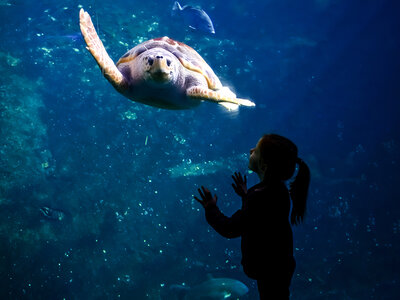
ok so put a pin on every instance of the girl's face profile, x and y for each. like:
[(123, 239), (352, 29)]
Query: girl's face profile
[(254, 161)]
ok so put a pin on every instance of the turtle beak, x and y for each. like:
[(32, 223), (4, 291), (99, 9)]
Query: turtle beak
[(160, 70)]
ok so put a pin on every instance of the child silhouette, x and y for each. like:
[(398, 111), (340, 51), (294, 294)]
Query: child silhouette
[(263, 221)]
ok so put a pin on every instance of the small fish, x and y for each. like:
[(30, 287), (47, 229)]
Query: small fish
[(66, 38), (195, 18), (52, 214), (213, 288)]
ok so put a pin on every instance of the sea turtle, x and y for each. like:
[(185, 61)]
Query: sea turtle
[(160, 72)]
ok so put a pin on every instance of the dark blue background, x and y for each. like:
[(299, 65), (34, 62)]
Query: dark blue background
[(323, 73)]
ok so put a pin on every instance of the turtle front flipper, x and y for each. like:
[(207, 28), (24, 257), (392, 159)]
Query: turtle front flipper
[(224, 97), (96, 48)]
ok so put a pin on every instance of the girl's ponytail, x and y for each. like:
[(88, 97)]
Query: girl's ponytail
[(298, 192)]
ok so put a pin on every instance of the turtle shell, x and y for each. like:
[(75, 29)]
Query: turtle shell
[(187, 56)]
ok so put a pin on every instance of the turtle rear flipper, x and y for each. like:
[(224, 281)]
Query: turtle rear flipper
[(96, 48), (224, 97)]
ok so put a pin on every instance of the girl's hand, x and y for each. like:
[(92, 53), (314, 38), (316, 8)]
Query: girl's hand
[(206, 198), (240, 185)]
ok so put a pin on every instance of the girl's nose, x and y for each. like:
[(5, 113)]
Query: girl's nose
[(251, 151)]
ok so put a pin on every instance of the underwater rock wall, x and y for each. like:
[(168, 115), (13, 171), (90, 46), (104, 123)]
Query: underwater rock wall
[(24, 159)]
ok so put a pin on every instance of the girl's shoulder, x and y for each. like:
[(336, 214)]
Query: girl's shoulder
[(268, 187), (267, 196), (258, 187)]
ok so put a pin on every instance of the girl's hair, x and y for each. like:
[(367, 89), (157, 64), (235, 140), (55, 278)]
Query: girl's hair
[(280, 156)]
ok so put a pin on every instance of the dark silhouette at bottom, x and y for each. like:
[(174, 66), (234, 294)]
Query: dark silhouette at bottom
[(263, 222)]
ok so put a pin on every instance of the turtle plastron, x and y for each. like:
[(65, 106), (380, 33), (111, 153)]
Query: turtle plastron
[(96, 48)]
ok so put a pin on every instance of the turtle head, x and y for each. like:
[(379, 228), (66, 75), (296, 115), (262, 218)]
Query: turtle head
[(160, 67)]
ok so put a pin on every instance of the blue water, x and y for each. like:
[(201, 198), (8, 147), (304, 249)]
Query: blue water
[(324, 73)]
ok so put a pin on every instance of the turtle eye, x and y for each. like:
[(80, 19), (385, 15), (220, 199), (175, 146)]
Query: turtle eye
[(168, 62), (150, 61)]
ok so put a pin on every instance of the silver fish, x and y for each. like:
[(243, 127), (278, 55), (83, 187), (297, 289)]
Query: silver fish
[(52, 214), (213, 288), (195, 18)]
